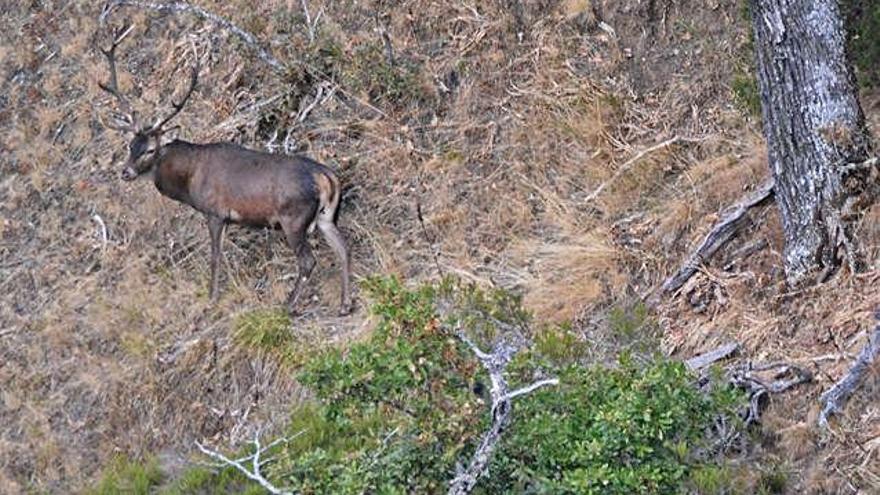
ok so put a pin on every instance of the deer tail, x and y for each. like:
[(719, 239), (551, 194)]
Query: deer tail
[(329, 193)]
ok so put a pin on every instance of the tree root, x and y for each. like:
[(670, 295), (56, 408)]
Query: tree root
[(836, 397), (732, 220)]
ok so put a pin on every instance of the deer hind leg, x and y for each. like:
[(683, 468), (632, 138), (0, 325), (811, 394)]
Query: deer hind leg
[(295, 230), (334, 238), (216, 225)]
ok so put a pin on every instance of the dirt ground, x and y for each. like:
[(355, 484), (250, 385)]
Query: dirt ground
[(479, 154)]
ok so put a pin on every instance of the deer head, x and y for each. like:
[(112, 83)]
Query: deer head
[(139, 148)]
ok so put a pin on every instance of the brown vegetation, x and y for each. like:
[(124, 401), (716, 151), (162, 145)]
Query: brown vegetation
[(494, 125)]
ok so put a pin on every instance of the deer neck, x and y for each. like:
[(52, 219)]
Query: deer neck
[(172, 173)]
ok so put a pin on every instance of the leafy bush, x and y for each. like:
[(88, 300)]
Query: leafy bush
[(629, 429), (398, 411)]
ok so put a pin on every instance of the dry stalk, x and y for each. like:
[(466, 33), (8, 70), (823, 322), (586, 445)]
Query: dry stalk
[(632, 161)]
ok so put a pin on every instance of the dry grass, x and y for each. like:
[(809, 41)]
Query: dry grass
[(504, 130)]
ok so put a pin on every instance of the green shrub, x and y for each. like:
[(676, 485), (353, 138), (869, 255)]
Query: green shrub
[(398, 411), (127, 476), (629, 429)]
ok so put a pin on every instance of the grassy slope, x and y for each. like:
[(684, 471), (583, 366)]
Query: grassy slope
[(496, 122)]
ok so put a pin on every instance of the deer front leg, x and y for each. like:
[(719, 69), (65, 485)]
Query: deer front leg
[(216, 226)]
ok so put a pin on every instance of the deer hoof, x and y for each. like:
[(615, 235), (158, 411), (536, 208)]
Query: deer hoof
[(346, 309)]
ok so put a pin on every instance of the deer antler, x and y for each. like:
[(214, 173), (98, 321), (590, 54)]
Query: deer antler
[(194, 78), (112, 86)]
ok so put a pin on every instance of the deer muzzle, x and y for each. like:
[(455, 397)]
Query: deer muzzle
[(129, 174)]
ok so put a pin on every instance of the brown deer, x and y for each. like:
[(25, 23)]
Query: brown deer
[(232, 184)]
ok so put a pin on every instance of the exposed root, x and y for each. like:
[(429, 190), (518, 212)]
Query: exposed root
[(835, 398), (732, 220)]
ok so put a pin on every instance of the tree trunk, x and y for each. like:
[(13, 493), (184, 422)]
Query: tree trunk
[(814, 126)]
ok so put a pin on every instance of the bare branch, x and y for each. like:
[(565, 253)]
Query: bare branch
[(495, 364), (853, 167), (253, 473), (531, 388), (177, 7), (311, 24), (836, 397), (100, 221)]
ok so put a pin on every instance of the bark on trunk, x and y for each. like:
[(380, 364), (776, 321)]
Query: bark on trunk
[(814, 126)]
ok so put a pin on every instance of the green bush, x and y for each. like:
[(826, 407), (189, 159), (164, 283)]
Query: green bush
[(399, 410), (629, 429)]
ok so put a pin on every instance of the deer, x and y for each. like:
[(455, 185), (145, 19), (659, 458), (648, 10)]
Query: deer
[(231, 184)]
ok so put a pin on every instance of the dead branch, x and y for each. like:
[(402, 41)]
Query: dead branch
[(253, 473), (178, 7), (836, 397), (746, 377), (699, 362), (732, 220), (629, 163), (758, 381), (495, 363)]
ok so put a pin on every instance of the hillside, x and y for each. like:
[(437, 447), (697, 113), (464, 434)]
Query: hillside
[(571, 151)]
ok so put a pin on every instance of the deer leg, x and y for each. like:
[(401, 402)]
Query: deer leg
[(295, 230), (337, 243), (215, 228)]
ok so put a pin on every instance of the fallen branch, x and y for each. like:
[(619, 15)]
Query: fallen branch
[(495, 364), (629, 163), (748, 378), (253, 473), (745, 377), (697, 363), (732, 220), (177, 7), (836, 397)]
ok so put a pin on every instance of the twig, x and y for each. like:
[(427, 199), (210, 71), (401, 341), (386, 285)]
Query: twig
[(733, 218), (311, 24), (435, 251), (495, 364), (852, 167), (836, 397), (256, 465), (177, 7), (629, 163), (97, 218)]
